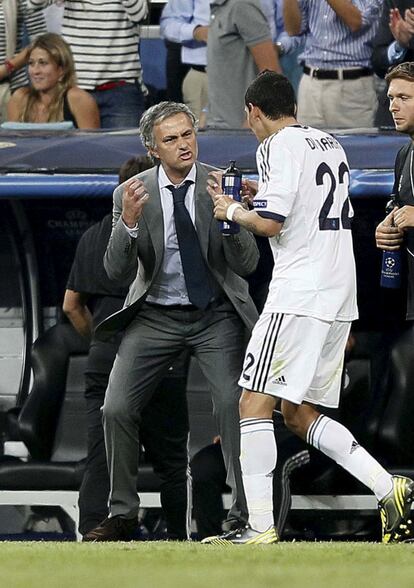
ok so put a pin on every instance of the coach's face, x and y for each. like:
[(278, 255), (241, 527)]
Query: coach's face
[(401, 97), (175, 145)]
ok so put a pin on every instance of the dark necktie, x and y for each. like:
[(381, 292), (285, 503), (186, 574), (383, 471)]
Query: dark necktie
[(195, 271)]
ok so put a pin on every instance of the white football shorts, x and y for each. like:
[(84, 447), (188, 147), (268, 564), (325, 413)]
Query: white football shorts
[(297, 358)]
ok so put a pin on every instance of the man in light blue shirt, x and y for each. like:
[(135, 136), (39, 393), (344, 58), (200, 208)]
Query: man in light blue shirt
[(337, 90), (186, 22)]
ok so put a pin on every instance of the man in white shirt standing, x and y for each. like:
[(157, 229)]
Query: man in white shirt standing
[(294, 359)]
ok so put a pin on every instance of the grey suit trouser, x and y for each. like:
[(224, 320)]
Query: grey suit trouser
[(216, 337)]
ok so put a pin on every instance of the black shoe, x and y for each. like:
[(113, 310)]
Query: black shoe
[(113, 529), (395, 510)]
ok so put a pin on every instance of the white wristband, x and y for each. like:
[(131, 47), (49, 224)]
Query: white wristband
[(232, 209)]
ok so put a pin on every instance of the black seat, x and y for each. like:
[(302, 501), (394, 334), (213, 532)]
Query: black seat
[(52, 425), (52, 420)]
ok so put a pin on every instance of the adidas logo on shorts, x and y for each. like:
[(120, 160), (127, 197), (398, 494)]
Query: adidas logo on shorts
[(281, 381)]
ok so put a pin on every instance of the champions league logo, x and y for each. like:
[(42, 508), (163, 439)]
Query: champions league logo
[(389, 263)]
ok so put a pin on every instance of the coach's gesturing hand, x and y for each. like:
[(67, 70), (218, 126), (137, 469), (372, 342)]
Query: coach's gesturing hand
[(133, 200)]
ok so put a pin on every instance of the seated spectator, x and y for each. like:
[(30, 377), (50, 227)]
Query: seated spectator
[(52, 95), (104, 38), (17, 25), (393, 44), (337, 88)]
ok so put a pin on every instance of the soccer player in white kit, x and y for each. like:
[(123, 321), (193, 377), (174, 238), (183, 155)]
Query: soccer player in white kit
[(294, 359)]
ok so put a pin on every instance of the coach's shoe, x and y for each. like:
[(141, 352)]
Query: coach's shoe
[(395, 510), (244, 536), (113, 529)]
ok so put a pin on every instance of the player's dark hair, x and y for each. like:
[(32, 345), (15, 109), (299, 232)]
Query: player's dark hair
[(134, 166), (273, 94)]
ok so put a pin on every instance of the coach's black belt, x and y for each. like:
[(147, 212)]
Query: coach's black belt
[(184, 307), (199, 67), (337, 74)]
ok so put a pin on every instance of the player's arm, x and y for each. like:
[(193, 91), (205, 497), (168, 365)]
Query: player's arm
[(74, 307), (225, 208)]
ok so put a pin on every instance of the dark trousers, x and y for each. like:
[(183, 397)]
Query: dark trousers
[(164, 435), (149, 345)]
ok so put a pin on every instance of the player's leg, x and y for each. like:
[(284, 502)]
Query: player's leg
[(338, 443), (394, 493), (258, 450), (272, 360), (258, 455)]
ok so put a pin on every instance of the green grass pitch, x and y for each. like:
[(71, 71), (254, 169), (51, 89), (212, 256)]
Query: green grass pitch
[(186, 565)]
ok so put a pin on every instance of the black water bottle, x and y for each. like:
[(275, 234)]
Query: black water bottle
[(391, 261), (231, 185)]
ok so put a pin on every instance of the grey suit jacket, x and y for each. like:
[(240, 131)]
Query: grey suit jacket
[(228, 257)]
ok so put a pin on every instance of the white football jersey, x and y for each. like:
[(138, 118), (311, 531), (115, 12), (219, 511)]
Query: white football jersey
[(303, 182)]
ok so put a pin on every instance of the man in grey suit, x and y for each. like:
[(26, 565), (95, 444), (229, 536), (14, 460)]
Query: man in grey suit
[(187, 292)]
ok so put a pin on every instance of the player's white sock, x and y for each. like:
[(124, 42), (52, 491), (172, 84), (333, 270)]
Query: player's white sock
[(338, 443), (258, 460)]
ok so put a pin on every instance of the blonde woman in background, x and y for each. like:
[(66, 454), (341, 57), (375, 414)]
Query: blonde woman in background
[(53, 95), (17, 23)]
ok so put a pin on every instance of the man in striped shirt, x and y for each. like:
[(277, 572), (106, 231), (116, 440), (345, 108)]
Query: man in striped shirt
[(104, 37), (337, 90)]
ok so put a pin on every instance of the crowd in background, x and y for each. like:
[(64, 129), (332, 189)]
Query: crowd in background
[(334, 53)]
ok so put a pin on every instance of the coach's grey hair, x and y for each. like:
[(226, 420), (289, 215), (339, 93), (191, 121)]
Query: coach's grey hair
[(157, 114)]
